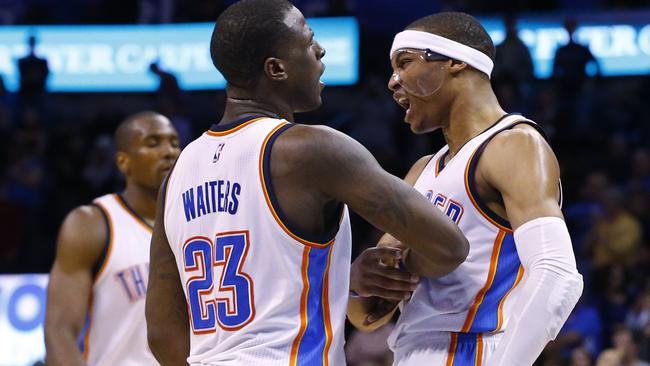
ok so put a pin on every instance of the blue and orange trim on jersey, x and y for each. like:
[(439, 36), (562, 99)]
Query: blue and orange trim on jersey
[(505, 272), (98, 270), (99, 266), (311, 345), (219, 130), (308, 239), (139, 219), (440, 164), (465, 349)]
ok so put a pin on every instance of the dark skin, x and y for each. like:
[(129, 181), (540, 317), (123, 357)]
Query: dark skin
[(512, 163), (314, 169), (152, 149)]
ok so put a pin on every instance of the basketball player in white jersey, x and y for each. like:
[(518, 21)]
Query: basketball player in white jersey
[(250, 254), (498, 180), (99, 277)]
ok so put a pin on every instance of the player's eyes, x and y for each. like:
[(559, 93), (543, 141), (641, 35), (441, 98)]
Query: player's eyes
[(403, 62)]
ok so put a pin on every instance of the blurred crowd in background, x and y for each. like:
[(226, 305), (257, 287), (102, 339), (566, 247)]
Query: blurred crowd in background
[(57, 150)]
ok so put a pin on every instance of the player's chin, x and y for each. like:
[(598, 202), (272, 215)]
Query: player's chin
[(418, 126)]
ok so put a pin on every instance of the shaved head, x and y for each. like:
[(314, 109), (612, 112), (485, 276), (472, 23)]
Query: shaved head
[(131, 126)]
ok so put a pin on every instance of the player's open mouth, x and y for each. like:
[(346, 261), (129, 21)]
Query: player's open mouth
[(403, 102)]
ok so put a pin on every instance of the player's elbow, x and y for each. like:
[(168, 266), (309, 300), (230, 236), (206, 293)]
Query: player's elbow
[(440, 263), (155, 334), (460, 251), (156, 339), (454, 252)]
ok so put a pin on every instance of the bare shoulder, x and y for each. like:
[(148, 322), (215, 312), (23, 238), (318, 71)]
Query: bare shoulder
[(522, 136), (318, 148), (520, 146), (309, 139), (416, 170), (82, 236)]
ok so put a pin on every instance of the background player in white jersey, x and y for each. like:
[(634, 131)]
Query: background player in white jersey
[(102, 260), (251, 228), (498, 179)]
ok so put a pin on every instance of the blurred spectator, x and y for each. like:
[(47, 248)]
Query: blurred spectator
[(570, 73), (513, 59), (638, 319), (33, 74), (168, 88), (571, 60), (169, 102), (628, 350), (609, 357), (580, 357), (616, 235)]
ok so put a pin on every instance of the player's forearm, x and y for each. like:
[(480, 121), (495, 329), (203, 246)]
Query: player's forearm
[(62, 349), (438, 242), (549, 292), (424, 267)]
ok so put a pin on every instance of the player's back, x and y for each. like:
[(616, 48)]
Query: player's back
[(258, 292)]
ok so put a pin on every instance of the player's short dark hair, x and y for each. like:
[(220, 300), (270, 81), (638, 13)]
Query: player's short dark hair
[(124, 131), (246, 34), (460, 27)]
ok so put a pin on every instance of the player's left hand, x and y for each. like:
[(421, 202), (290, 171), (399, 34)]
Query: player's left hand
[(373, 273)]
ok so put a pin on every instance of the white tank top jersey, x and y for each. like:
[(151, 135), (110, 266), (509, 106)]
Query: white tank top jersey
[(258, 291), (116, 332), (477, 296)]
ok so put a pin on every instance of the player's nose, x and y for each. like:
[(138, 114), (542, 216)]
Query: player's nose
[(393, 82)]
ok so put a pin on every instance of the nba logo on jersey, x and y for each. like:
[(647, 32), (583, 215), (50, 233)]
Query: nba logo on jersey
[(217, 154)]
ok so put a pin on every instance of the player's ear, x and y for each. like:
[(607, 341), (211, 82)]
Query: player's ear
[(123, 162), (456, 66), (275, 69)]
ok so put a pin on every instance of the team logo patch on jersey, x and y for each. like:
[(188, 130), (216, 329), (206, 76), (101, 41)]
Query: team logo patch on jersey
[(217, 153)]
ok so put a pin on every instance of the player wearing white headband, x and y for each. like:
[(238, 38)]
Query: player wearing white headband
[(499, 180)]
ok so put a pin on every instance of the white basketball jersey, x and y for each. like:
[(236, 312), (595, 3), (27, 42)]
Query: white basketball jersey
[(258, 292), (476, 297), (117, 333)]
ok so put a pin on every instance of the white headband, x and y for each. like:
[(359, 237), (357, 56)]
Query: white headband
[(443, 46)]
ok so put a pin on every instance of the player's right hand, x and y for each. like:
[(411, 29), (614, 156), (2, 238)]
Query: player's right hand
[(372, 274)]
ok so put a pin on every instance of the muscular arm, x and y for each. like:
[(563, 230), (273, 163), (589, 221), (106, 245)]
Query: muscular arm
[(382, 287), (520, 165), (168, 330), (81, 240), (343, 170)]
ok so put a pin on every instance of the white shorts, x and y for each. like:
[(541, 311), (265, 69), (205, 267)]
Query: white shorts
[(448, 349)]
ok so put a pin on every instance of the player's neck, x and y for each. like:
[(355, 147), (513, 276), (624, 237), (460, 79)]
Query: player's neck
[(242, 103), (142, 201), (471, 114)]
